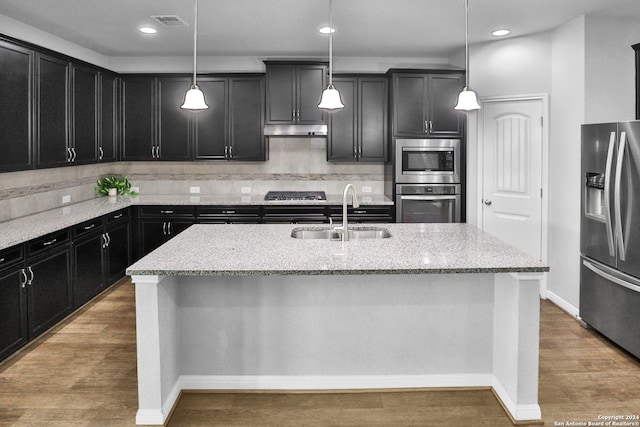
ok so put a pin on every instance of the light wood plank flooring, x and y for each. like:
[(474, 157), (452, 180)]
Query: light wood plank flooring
[(83, 373)]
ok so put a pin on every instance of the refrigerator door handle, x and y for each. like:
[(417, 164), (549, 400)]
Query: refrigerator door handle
[(611, 278), (616, 196), (607, 194)]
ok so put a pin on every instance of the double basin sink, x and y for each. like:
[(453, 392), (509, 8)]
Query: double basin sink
[(328, 233)]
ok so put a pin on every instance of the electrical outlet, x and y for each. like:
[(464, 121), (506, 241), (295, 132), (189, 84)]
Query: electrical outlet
[(194, 190), (246, 190), (366, 189), (66, 199)]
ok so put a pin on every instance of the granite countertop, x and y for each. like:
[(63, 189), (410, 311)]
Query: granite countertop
[(23, 229), (268, 249)]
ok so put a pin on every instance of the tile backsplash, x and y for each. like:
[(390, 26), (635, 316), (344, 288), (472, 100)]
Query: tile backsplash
[(294, 164)]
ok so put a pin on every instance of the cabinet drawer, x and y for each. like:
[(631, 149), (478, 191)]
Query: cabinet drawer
[(47, 242), (11, 256), (173, 211), (121, 215), (295, 214), (228, 211), (88, 227)]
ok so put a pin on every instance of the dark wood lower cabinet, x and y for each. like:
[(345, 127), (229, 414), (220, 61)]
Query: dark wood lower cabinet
[(118, 251), (88, 277), (155, 232), (13, 310), (50, 294)]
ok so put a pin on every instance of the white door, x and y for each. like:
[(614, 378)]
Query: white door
[(511, 151)]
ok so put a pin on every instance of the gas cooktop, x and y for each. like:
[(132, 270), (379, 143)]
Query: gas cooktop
[(295, 195)]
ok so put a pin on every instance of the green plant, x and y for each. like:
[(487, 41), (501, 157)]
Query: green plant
[(122, 185)]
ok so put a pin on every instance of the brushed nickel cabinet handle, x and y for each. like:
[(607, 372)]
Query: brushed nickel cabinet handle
[(51, 242), (89, 227), (30, 281), (23, 283)]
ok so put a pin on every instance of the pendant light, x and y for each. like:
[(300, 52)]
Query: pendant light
[(194, 98), (330, 99), (467, 99)]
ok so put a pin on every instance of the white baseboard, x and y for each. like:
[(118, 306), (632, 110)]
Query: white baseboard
[(267, 382), (529, 412), (150, 417), (564, 304)]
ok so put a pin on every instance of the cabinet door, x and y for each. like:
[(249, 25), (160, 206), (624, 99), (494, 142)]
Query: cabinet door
[(15, 107), (84, 118), (409, 105), (246, 109), (13, 311), (281, 94), (118, 252), (174, 122), (372, 120), (342, 141), (211, 124), (138, 124), (311, 83), (52, 118), (88, 278), (443, 119), (50, 296), (155, 232), (108, 135)]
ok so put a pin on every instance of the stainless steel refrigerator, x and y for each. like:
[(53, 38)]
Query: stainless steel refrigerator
[(610, 232)]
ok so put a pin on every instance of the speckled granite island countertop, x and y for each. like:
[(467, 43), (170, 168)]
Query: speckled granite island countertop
[(265, 249)]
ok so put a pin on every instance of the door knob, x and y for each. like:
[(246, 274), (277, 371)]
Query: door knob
[(487, 202)]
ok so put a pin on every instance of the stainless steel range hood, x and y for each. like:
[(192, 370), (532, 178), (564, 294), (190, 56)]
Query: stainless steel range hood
[(295, 130)]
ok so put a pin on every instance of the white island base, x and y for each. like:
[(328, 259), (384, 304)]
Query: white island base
[(337, 332)]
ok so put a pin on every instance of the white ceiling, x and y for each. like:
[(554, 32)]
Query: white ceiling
[(281, 28)]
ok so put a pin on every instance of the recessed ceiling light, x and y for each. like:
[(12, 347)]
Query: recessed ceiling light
[(326, 30), (147, 30), (501, 32)]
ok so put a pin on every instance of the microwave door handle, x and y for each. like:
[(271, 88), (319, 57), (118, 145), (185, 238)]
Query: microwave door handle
[(607, 194), (616, 196)]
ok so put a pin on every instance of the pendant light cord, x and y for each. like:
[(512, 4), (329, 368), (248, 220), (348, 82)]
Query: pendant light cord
[(331, 43), (466, 40), (195, 39)]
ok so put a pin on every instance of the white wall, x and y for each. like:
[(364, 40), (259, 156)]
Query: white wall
[(567, 107), (610, 69)]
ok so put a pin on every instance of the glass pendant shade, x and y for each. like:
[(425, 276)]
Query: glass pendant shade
[(194, 99), (330, 99), (467, 100)]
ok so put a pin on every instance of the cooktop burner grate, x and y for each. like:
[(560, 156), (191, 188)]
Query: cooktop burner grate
[(295, 195)]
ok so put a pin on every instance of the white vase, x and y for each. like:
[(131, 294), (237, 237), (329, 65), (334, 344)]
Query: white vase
[(113, 192)]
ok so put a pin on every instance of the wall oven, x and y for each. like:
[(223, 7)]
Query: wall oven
[(428, 203), (427, 161)]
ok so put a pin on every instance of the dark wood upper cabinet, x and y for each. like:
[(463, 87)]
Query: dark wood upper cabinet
[(293, 93), (84, 118), (16, 103), (52, 117), (211, 124), (232, 127), (422, 104), (358, 132), (246, 118), (636, 48), (174, 123), (138, 134), (108, 132)]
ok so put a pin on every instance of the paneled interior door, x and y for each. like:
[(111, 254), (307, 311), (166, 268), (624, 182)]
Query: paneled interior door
[(512, 172)]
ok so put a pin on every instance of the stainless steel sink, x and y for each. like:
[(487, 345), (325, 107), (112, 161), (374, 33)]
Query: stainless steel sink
[(326, 233)]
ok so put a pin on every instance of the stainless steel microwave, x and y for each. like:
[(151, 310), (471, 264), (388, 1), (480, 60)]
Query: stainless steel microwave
[(427, 161)]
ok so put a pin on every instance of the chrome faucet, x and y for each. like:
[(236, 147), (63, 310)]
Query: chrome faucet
[(354, 202)]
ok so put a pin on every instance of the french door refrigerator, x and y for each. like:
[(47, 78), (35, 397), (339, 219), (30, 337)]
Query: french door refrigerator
[(610, 232)]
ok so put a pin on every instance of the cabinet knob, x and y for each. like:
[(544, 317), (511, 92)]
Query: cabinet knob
[(487, 202)]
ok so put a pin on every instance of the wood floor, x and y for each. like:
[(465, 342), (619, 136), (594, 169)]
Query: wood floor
[(83, 373)]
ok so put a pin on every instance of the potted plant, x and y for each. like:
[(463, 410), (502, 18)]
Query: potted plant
[(114, 186)]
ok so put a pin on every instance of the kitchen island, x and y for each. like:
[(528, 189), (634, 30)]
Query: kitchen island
[(250, 307)]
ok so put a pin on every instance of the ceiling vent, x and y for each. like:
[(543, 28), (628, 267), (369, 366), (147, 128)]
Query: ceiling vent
[(170, 20)]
